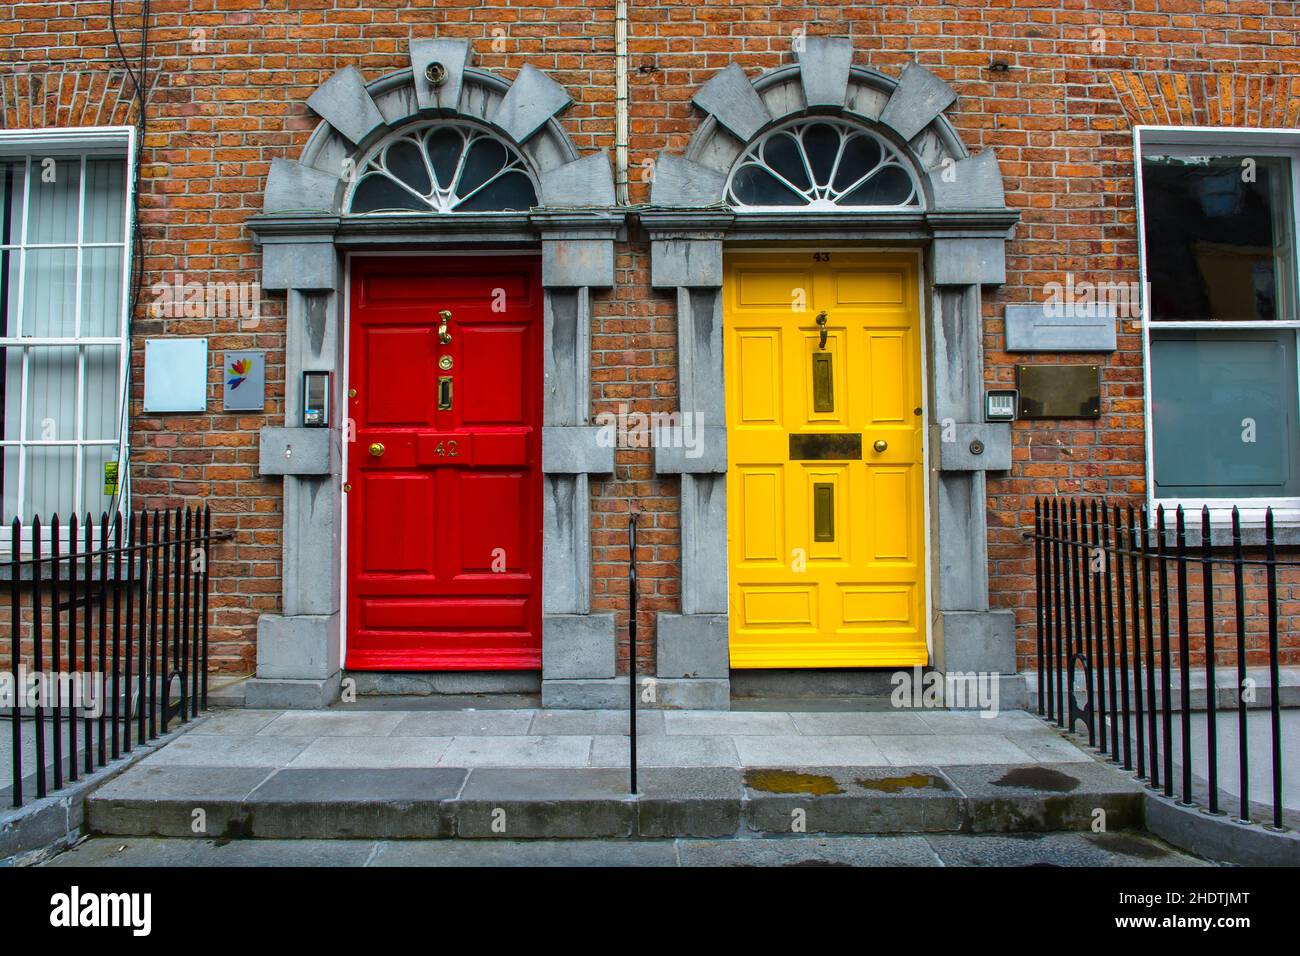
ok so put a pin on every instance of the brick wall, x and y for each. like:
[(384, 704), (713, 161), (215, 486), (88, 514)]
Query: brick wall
[(1052, 85)]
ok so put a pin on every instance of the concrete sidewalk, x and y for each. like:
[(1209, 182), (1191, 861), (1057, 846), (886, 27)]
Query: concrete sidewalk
[(541, 774)]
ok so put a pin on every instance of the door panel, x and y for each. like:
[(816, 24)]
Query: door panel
[(826, 532), (444, 511)]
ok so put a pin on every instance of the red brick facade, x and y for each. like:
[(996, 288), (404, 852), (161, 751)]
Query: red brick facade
[(1052, 86)]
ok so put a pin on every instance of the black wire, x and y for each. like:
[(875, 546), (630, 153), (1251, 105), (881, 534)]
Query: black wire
[(139, 81)]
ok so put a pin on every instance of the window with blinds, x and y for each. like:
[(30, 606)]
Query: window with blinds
[(64, 249)]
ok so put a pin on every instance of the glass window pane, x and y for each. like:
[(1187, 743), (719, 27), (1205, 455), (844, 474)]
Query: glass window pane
[(861, 155), (1219, 237), (444, 147), (889, 187), (781, 153), (101, 392), (51, 478), (52, 394), (9, 265), (11, 368), (105, 201), (1224, 413), (404, 161), (755, 186), (11, 201), (54, 198), (10, 489), (485, 158), (821, 143), (101, 292), (377, 192), (50, 293), (513, 190)]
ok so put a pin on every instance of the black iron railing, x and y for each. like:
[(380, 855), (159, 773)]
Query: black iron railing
[(631, 647), (1123, 606), (107, 640)]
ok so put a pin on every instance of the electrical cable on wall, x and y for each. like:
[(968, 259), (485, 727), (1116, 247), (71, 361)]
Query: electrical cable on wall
[(139, 81)]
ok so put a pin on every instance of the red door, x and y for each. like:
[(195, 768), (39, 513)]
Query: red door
[(445, 507)]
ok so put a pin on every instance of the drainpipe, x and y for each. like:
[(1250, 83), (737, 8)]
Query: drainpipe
[(620, 102)]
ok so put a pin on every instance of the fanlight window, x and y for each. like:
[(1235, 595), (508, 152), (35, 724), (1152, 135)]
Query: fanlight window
[(821, 164), (444, 167)]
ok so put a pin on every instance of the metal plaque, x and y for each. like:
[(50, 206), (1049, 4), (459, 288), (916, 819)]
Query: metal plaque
[(826, 447), (1059, 391), (823, 511), (823, 382)]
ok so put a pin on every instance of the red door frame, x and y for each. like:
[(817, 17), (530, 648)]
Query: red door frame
[(443, 557)]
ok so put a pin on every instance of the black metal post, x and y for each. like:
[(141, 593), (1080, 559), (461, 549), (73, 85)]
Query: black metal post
[(631, 649), (1243, 736)]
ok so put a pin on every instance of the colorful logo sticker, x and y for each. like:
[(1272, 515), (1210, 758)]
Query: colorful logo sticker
[(238, 372)]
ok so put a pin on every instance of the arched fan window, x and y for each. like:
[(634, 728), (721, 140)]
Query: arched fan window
[(444, 167), (821, 164)]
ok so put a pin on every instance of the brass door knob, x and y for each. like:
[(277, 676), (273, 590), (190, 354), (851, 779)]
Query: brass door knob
[(443, 335), (376, 449), (879, 445)]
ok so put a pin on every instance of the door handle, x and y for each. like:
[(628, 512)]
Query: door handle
[(821, 326), (880, 445), (376, 449), (443, 335)]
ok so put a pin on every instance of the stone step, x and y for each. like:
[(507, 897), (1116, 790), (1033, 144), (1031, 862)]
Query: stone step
[(594, 803)]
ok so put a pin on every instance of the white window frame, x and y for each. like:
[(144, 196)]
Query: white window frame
[(86, 142), (1192, 140)]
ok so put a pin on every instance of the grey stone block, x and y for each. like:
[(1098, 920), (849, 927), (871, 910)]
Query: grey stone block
[(608, 693), (588, 181), (1046, 797), (971, 183), (283, 694), (732, 100), (292, 187), (1055, 850), (454, 56), (353, 804), (696, 802), (678, 183), (297, 451), (707, 454), (851, 800), (344, 103), (969, 261), (576, 450), (577, 262), (297, 647), (1037, 327), (1221, 837), (979, 641), (692, 693), (532, 100), (824, 64), (909, 851), (685, 262), (161, 800), (693, 645), (919, 97), (577, 646), (299, 265), (545, 804), (981, 446)]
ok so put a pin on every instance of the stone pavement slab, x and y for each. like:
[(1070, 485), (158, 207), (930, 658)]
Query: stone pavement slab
[(1045, 849)]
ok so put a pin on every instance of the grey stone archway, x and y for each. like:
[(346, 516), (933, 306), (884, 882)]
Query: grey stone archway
[(963, 224), (304, 233)]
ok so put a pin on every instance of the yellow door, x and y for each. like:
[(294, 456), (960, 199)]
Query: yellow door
[(825, 483)]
